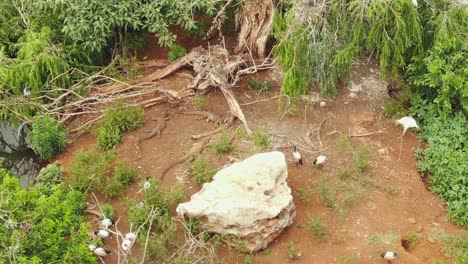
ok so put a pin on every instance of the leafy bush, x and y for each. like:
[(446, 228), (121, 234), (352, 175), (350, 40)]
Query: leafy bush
[(176, 52), (49, 177), (47, 137), (261, 139), (259, 85), (317, 227), (223, 145), (293, 253), (101, 171), (443, 158), (412, 240), (200, 170), (108, 211), (55, 225), (117, 120), (456, 247)]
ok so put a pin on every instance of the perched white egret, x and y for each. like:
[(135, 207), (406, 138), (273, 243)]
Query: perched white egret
[(147, 184), (297, 156), (323, 104), (320, 160), (106, 223), (102, 233), (126, 244), (389, 256), (407, 122), (415, 3), (131, 236)]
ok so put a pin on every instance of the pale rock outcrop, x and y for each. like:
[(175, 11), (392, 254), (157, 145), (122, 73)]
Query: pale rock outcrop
[(248, 201)]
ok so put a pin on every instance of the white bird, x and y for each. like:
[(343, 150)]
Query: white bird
[(101, 252), (297, 156), (147, 184), (131, 236), (323, 104), (126, 244), (27, 91), (320, 160), (102, 233), (92, 247), (106, 223), (407, 122), (415, 3), (389, 255)]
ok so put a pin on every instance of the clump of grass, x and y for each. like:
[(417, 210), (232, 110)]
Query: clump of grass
[(261, 139), (223, 145), (199, 102), (327, 193), (411, 240), (293, 253), (343, 142), (176, 52), (248, 259), (266, 251), (258, 85), (101, 171), (303, 194), (383, 240), (361, 159), (108, 211), (344, 173), (47, 137), (116, 120), (242, 245), (317, 227), (456, 247), (398, 107), (201, 171), (351, 259), (123, 68)]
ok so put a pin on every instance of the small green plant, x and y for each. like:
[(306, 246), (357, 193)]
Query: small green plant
[(193, 225), (258, 85), (125, 174), (410, 240), (242, 245), (135, 40), (343, 142), (223, 145), (303, 194), (248, 259), (266, 251), (293, 253), (176, 52), (361, 159), (350, 259), (199, 102), (200, 170), (117, 120), (327, 193), (456, 247), (317, 227), (108, 211), (261, 139), (344, 173), (47, 137)]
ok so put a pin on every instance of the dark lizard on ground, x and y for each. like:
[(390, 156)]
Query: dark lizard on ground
[(210, 116), (196, 149), (155, 131)]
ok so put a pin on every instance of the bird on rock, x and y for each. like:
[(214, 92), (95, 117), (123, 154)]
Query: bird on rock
[(389, 256), (320, 160), (297, 156), (407, 122)]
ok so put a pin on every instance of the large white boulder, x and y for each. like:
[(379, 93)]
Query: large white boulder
[(248, 202)]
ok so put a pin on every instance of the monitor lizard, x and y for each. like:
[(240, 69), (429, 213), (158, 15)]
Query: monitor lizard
[(155, 131), (196, 149), (210, 116)]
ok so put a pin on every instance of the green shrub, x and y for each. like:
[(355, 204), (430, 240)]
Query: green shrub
[(201, 171), (223, 145), (413, 239), (317, 227), (117, 120), (176, 52), (199, 102), (47, 137), (55, 222), (303, 194), (108, 211), (258, 85), (456, 247), (261, 139), (443, 158), (125, 174), (293, 253)]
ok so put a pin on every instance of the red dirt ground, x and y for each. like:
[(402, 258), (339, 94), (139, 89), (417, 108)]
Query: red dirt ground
[(396, 192)]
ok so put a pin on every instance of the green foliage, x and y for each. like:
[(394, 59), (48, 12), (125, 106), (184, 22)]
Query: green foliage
[(456, 247), (108, 211), (317, 227), (47, 137), (201, 171), (199, 102), (123, 67), (135, 40), (361, 159), (48, 177), (223, 145), (101, 171), (293, 253), (413, 239), (54, 222), (261, 139), (176, 52), (117, 120), (258, 85), (443, 158), (303, 194), (398, 107)]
